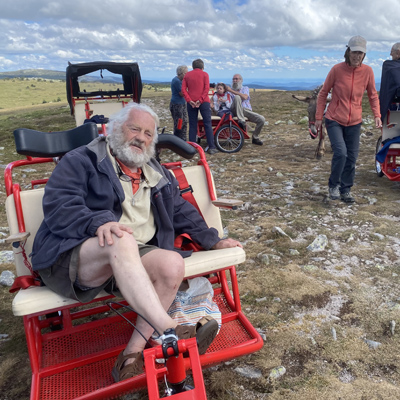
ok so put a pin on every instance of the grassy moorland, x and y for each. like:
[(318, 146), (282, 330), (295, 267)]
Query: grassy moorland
[(316, 310), (20, 93)]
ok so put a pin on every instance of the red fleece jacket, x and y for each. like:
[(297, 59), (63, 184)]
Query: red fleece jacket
[(348, 85), (195, 86)]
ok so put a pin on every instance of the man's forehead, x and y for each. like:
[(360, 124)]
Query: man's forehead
[(141, 117)]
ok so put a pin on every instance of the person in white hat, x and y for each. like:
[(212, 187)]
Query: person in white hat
[(348, 81)]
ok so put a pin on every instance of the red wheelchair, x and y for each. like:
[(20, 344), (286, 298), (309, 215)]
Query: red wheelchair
[(228, 135), (72, 347)]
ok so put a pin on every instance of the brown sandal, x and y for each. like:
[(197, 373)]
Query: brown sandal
[(121, 372), (205, 331)]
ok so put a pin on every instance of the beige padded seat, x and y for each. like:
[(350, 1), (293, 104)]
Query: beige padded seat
[(394, 131), (38, 299), (99, 107)]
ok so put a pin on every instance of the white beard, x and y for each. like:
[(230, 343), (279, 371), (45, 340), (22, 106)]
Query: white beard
[(123, 151), (236, 85)]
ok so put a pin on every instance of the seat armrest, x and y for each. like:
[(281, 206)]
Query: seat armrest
[(18, 237), (227, 203)]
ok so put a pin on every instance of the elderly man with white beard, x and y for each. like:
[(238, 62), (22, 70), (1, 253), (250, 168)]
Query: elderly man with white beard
[(241, 108), (111, 214)]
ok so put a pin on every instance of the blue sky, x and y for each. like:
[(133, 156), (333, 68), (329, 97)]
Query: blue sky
[(261, 39)]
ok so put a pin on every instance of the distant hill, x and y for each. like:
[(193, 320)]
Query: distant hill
[(33, 73)]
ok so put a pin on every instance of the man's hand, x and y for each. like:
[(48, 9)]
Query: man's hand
[(198, 104), (105, 232), (193, 104), (227, 243)]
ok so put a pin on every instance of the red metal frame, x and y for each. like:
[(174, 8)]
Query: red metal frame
[(75, 361), (216, 124), (390, 167)]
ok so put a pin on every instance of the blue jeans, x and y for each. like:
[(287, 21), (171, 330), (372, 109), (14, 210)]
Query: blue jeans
[(345, 141), (205, 112)]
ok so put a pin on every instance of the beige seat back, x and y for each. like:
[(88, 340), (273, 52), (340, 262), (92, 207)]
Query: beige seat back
[(33, 215), (99, 107), (394, 118), (196, 177)]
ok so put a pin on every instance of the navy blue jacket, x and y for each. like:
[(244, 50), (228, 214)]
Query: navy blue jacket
[(390, 83), (84, 192)]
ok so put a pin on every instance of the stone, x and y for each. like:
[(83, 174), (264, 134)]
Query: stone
[(319, 244), (249, 372), (277, 372), (7, 278), (6, 256), (372, 344)]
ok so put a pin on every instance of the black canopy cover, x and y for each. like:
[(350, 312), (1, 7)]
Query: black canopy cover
[(131, 79)]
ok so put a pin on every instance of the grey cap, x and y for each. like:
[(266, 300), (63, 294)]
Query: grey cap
[(358, 43)]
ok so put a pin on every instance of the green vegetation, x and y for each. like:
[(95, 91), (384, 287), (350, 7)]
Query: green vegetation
[(25, 92)]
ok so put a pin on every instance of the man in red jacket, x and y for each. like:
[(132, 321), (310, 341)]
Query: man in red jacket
[(195, 87)]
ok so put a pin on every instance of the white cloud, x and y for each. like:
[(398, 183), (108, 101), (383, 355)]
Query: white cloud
[(253, 37)]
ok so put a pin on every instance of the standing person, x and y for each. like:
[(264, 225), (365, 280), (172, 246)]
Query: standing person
[(177, 105), (222, 100), (241, 108), (348, 81), (195, 87)]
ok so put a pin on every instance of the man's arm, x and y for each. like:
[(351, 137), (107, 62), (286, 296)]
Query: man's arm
[(188, 220), (243, 96), (64, 204)]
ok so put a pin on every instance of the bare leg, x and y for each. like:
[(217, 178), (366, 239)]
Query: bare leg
[(148, 285)]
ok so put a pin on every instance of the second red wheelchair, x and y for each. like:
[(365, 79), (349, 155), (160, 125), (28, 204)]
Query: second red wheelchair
[(228, 135)]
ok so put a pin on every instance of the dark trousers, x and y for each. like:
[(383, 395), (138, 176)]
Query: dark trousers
[(178, 111), (205, 112), (345, 141)]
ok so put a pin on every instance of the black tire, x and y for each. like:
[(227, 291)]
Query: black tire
[(229, 139), (378, 167)]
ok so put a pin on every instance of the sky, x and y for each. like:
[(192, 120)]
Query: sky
[(260, 39)]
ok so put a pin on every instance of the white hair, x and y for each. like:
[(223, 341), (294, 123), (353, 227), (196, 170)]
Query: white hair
[(119, 118), (118, 144)]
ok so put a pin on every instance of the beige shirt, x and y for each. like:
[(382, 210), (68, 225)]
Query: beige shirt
[(136, 208)]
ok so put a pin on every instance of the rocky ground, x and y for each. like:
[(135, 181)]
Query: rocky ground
[(321, 278)]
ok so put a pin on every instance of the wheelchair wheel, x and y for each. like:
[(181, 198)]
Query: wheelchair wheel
[(378, 167), (229, 139)]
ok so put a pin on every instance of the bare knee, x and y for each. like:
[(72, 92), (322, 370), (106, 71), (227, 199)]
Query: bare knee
[(165, 266)]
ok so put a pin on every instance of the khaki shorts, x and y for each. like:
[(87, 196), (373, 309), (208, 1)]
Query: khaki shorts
[(62, 276)]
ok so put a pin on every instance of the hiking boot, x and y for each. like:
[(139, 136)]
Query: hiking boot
[(347, 197), (334, 193), (242, 124), (212, 150), (258, 142)]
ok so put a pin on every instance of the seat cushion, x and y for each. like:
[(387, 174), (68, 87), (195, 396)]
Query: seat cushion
[(41, 299)]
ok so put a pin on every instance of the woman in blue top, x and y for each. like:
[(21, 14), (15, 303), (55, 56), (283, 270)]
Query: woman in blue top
[(177, 106)]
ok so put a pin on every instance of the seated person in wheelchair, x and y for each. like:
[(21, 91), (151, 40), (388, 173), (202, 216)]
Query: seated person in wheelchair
[(111, 213), (241, 108), (222, 100)]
